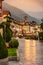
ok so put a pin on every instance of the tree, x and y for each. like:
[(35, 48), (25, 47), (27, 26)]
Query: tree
[(3, 49), (41, 33), (7, 32), (41, 24), (8, 18)]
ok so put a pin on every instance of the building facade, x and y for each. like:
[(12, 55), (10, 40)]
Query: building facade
[(1, 11)]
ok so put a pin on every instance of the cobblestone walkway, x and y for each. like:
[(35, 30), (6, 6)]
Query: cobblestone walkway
[(31, 53)]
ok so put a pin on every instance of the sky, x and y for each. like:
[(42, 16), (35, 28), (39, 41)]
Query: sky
[(27, 5)]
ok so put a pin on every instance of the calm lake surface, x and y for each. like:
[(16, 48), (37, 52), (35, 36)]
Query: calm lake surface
[(31, 52)]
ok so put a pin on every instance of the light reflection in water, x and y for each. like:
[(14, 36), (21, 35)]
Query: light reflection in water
[(30, 50)]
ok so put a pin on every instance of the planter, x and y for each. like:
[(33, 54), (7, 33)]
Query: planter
[(18, 56), (14, 58), (4, 61)]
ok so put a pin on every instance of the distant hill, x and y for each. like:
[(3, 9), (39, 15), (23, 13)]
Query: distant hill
[(38, 15), (17, 13)]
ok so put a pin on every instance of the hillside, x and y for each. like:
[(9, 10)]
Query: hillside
[(17, 13)]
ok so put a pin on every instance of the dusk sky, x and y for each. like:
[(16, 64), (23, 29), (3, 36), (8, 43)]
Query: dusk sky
[(27, 5)]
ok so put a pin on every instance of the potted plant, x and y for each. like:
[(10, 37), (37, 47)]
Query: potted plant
[(3, 52), (13, 50), (14, 43)]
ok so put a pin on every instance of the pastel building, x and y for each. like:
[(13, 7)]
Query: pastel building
[(1, 12), (5, 13)]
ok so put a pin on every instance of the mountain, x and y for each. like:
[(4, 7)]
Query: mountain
[(38, 15), (18, 13)]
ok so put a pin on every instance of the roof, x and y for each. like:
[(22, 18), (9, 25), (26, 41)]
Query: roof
[(26, 24), (1, 0), (6, 13)]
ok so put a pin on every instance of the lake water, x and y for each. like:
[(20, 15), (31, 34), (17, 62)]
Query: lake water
[(31, 52)]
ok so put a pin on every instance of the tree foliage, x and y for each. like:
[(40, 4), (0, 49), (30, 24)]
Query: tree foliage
[(3, 49), (42, 24)]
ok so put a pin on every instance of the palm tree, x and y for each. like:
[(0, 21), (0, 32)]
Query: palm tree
[(6, 28)]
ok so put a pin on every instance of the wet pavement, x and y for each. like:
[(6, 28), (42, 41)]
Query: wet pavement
[(31, 53)]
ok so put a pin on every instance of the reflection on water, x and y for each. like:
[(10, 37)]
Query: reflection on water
[(32, 52)]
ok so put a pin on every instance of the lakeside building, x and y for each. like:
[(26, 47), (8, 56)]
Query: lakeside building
[(28, 28), (1, 11), (22, 27), (5, 13), (1, 8)]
